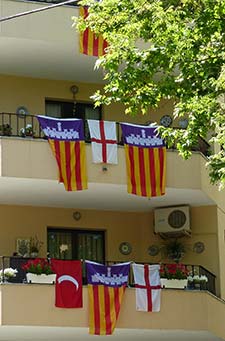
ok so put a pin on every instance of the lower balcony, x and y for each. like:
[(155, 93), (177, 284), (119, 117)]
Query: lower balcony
[(33, 305)]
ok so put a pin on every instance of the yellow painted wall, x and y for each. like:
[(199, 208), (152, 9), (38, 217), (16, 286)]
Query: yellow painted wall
[(133, 227), (188, 310), (18, 153), (32, 92)]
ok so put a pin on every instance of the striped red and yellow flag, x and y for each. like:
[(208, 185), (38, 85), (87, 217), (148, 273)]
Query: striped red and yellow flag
[(106, 287), (66, 138), (104, 303), (71, 161), (90, 43), (145, 161)]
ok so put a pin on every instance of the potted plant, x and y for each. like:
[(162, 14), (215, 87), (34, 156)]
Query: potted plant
[(6, 129), (175, 250), (39, 270), (7, 273), (174, 276), (198, 282), (27, 131), (35, 245)]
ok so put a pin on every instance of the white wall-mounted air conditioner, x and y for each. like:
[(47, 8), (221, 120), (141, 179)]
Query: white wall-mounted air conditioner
[(172, 220)]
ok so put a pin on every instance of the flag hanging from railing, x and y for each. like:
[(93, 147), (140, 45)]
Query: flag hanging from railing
[(106, 286), (66, 138), (68, 287), (103, 141), (148, 287), (90, 43), (145, 160)]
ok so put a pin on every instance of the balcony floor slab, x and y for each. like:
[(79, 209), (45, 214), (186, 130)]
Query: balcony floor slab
[(17, 333)]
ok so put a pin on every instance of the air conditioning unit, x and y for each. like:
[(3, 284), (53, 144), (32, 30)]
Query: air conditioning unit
[(172, 221)]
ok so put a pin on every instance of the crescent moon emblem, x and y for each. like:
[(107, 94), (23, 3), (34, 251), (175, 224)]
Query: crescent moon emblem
[(70, 279)]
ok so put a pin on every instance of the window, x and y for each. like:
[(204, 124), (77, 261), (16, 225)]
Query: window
[(60, 109), (76, 244)]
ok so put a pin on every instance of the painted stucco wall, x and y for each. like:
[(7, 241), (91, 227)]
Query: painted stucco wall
[(32, 92), (133, 227), (188, 310)]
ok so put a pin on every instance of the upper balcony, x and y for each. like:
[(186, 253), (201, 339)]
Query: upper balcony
[(28, 162), (44, 44)]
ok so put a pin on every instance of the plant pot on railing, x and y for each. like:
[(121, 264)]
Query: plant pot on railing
[(174, 276), (27, 131), (197, 282), (174, 283), (39, 270), (40, 279)]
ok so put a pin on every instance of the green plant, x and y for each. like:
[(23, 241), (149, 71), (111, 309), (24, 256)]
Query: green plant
[(175, 250), (6, 129)]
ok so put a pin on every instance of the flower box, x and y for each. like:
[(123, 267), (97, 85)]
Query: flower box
[(174, 283), (41, 279)]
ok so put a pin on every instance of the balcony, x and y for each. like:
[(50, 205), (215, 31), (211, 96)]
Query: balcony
[(180, 310), (17, 153), (11, 125), (18, 262)]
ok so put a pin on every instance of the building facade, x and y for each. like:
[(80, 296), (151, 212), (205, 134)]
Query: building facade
[(39, 66)]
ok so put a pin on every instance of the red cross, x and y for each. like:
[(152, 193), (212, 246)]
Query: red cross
[(148, 286), (103, 141)]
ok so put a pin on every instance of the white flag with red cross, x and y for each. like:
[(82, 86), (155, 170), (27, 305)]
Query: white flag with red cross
[(148, 287), (103, 141)]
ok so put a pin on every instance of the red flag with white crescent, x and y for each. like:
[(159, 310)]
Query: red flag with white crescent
[(68, 287)]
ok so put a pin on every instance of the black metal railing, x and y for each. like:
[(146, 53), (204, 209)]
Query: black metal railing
[(12, 124), (18, 262)]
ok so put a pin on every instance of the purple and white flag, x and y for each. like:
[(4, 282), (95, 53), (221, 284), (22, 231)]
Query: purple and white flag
[(106, 286)]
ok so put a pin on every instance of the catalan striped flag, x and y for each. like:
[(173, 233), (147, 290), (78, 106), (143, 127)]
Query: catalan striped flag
[(106, 287), (145, 160), (90, 43), (66, 139)]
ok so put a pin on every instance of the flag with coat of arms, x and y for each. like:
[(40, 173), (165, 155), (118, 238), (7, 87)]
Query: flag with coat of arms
[(66, 139), (106, 287), (145, 153)]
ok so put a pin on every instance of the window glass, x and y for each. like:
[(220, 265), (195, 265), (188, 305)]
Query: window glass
[(76, 244)]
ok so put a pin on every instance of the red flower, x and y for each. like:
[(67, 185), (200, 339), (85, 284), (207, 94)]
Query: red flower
[(38, 266)]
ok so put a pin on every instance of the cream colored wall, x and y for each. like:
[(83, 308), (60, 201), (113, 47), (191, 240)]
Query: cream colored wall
[(17, 153), (191, 310), (218, 196), (32, 92), (133, 227)]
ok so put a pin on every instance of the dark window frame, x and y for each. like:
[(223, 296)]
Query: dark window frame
[(87, 103), (74, 237)]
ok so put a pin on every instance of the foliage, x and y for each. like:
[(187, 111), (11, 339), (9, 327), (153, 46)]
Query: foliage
[(175, 250), (38, 266), (35, 244), (173, 271), (6, 129), (166, 49)]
